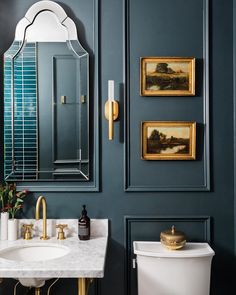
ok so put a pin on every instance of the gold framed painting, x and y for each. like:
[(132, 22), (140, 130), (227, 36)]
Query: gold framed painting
[(167, 76), (168, 140)]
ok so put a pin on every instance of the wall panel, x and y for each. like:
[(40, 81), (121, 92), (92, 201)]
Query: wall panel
[(148, 228), (181, 29)]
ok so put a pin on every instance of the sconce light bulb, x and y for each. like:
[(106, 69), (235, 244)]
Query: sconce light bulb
[(111, 89)]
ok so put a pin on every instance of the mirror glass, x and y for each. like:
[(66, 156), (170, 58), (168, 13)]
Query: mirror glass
[(46, 100)]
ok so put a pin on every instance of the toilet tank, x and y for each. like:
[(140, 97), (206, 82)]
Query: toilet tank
[(182, 272)]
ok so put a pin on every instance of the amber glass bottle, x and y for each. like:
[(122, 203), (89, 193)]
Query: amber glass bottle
[(84, 225)]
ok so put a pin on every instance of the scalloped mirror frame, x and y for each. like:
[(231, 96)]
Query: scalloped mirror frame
[(52, 8), (47, 8)]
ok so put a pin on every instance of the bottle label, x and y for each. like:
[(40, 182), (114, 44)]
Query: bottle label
[(83, 230)]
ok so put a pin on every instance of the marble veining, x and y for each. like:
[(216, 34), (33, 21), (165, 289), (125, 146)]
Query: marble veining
[(85, 258)]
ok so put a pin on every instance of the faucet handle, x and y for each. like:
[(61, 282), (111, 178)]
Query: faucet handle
[(28, 231), (61, 234)]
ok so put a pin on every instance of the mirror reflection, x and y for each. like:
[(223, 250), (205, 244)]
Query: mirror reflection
[(46, 100)]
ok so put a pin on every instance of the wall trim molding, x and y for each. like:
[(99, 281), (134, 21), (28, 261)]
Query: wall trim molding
[(129, 220), (206, 151)]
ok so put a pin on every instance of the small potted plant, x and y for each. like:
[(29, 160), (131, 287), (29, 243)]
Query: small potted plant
[(4, 190), (12, 202)]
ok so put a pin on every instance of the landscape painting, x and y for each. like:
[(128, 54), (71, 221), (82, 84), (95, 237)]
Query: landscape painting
[(167, 76), (168, 140)]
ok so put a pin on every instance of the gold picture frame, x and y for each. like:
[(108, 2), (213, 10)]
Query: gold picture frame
[(167, 76), (168, 140)]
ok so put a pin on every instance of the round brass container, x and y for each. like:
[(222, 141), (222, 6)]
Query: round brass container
[(173, 239)]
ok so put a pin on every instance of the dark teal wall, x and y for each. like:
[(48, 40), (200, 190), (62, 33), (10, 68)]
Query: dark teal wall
[(112, 202), (234, 59)]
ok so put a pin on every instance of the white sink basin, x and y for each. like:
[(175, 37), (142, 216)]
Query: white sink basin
[(34, 252)]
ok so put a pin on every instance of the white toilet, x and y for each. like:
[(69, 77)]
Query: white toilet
[(182, 272)]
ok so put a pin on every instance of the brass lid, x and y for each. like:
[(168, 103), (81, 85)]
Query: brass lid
[(173, 239)]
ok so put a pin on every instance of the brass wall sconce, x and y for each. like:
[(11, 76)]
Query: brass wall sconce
[(111, 109)]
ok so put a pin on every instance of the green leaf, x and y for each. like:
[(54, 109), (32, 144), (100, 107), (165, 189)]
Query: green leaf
[(19, 200)]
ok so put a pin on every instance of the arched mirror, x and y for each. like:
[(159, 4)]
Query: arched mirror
[(46, 99)]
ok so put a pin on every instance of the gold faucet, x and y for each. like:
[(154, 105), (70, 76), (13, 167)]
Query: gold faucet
[(28, 231), (42, 200)]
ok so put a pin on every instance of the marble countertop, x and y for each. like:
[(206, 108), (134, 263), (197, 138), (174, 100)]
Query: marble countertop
[(85, 258)]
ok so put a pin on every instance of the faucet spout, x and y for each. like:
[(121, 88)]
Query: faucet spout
[(42, 200)]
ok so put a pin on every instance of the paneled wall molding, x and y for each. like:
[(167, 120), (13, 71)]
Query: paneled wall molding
[(143, 228), (204, 185)]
